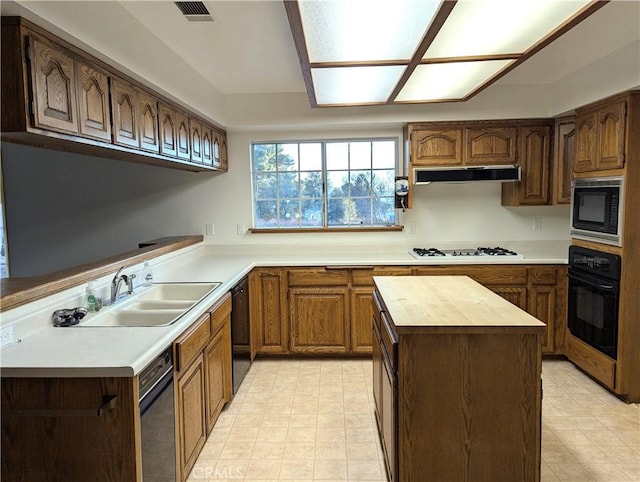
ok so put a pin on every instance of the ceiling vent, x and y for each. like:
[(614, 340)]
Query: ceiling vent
[(195, 11)]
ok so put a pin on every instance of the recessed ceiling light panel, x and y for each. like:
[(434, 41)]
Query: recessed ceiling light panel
[(354, 85), (448, 81), (364, 30), (494, 27)]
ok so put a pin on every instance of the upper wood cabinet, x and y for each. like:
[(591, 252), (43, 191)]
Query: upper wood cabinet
[(600, 137), (535, 149), (148, 122), (56, 96), (94, 114), (564, 159), (124, 105), (491, 145), (54, 86), (437, 147)]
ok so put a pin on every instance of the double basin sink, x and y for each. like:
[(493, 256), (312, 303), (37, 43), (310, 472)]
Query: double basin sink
[(162, 304)]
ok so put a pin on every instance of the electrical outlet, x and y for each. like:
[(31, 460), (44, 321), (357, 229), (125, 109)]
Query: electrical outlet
[(6, 336), (240, 229), (537, 224), (209, 229), (412, 228)]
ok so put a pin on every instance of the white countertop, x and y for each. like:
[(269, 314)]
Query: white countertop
[(45, 351)]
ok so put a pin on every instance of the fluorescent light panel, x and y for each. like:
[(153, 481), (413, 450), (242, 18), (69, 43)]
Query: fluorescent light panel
[(364, 30), (355, 85), (448, 81), (493, 27)]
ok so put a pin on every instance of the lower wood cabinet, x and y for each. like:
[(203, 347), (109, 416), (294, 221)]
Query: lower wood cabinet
[(319, 320), (268, 310), (361, 315), (203, 381)]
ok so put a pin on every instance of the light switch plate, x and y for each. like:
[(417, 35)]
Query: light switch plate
[(6, 336)]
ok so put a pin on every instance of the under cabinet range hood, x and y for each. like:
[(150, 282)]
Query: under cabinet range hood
[(427, 175)]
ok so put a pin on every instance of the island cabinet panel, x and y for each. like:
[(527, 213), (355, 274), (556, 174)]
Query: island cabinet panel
[(53, 80), (491, 145), (318, 319), (436, 147), (93, 101), (70, 429), (268, 310)]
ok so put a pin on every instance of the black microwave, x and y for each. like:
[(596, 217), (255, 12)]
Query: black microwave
[(596, 209)]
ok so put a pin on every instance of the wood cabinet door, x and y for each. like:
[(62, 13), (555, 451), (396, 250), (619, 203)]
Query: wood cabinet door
[(564, 159), (217, 363), (611, 136), (207, 145), (268, 310), (542, 305), (361, 317), (224, 159), (148, 114), (190, 415), (93, 102), (436, 147), (491, 145), (585, 160), (53, 87), (183, 136), (168, 136), (124, 105), (318, 319), (195, 129), (515, 294), (534, 162)]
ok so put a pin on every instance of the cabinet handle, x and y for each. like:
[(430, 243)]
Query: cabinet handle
[(108, 403)]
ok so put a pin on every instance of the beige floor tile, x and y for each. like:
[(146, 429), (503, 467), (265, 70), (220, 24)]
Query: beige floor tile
[(572, 437), (361, 435), (359, 420), (251, 420), (571, 472), (268, 451), (276, 421), (272, 434), (330, 470), (363, 451), (298, 470), (607, 473), (632, 471), (546, 474), (301, 434), (236, 451), (364, 470), (303, 420), (211, 450), (330, 434), (231, 469), (299, 450), (263, 469), (242, 435), (331, 451)]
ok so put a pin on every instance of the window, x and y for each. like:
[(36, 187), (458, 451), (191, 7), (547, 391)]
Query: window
[(325, 184)]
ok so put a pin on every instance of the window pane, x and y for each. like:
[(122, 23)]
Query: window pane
[(360, 155), (338, 183), (337, 155), (362, 212), (384, 154), (288, 185), (383, 210), (312, 212), (289, 213), (265, 185), (360, 183), (266, 214), (264, 157), (336, 211), (311, 156), (383, 183), (311, 184), (287, 157)]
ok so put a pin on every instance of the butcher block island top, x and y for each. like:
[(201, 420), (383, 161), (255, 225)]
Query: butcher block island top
[(456, 381), (450, 304)]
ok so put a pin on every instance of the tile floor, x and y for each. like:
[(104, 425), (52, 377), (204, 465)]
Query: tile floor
[(312, 420)]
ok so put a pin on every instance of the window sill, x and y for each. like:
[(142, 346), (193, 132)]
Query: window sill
[(368, 229)]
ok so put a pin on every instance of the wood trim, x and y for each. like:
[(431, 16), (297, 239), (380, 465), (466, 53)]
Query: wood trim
[(295, 22), (325, 230), (19, 291)]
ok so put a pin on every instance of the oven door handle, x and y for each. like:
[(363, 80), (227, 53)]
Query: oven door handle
[(591, 281)]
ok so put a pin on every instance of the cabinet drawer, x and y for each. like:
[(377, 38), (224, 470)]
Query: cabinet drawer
[(318, 277), (364, 277), (220, 313), (192, 342), (542, 275), (486, 275)]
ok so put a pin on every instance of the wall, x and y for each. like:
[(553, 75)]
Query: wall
[(66, 209)]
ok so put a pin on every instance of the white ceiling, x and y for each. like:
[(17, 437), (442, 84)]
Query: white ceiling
[(248, 51)]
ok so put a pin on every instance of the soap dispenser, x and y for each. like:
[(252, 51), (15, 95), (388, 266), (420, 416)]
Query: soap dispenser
[(147, 274), (91, 302)]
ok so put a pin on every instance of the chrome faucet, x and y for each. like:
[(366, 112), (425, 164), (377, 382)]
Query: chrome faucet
[(117, 281)]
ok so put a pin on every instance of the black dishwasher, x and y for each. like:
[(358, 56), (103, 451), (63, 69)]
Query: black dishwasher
[(240, 333)]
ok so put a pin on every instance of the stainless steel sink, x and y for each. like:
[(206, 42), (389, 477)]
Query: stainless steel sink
[(160, 305)]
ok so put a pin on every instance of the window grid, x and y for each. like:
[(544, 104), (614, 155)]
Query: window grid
[(297, 190)]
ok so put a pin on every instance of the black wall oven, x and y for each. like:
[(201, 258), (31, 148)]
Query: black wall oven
[(594, 286)]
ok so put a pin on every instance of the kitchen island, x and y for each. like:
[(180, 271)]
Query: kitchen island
[(456, 381)]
